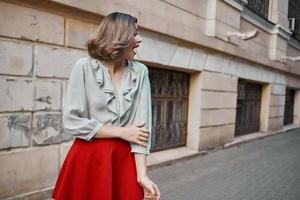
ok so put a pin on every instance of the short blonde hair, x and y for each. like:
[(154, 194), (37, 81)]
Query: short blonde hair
[(114, 34)]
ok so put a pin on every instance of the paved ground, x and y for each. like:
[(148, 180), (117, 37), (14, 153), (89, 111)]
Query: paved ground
[(265, 169)]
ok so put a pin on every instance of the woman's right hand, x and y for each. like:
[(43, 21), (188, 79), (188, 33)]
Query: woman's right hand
[(136, 133)]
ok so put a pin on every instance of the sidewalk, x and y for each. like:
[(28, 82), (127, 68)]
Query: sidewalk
[(264, 169)]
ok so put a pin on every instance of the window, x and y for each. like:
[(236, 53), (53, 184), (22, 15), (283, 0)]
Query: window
[(294, 12), (259, 7), (169, 90), (248, 107), (289, 107)]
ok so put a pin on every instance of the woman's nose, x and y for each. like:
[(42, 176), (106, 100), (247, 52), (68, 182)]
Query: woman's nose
[(138, 39)]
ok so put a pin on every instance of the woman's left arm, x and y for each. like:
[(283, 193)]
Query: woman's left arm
[(141, 165), (142, 116), (150, 188), (143, 113)]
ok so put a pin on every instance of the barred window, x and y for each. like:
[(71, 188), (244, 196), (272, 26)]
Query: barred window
[(294, 12), (260, 7), (169, 90)]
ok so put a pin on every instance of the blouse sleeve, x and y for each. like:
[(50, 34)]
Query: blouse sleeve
[(75, 113), (144, 114)]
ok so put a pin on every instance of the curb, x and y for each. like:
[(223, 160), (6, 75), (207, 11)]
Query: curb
[(221, 147)]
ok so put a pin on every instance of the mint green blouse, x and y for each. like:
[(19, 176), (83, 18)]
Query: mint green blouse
[(91, 100)]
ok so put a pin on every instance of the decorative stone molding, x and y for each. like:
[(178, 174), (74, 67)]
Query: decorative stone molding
[(221, 19)]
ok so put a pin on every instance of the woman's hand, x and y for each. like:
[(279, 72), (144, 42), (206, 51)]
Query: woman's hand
[(136, 134), (151, 190)]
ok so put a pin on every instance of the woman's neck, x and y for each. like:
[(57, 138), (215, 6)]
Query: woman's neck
[(114, 65)]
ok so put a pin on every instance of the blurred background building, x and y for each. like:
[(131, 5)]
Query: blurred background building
[(219, 69)]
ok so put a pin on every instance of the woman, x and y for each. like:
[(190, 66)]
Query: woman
[(107, 108)]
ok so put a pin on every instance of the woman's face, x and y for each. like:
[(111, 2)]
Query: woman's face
[(130, 52)]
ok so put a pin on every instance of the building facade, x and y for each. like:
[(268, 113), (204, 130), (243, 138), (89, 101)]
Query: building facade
[(219, 70)]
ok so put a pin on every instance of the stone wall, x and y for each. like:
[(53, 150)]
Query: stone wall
[(218, 109), (37, 52), (277, 98), (40, 41)]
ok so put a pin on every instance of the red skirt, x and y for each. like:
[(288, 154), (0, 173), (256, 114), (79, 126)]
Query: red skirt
[(103, 169)]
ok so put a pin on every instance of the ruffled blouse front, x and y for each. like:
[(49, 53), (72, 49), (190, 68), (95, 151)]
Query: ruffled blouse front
[(91, 100)]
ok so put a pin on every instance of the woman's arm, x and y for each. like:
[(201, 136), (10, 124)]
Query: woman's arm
[(135, 133), (108, 131), (150, 188), (141, 165), (144, 112)]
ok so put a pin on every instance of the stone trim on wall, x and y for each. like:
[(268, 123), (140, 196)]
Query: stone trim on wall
[(163, 24)]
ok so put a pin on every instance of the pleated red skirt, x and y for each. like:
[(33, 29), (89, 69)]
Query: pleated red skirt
[(103, 169)]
